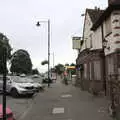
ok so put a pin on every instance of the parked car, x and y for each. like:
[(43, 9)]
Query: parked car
[(37, 86), (18, 86), (23, 75), (45, 79), (35, 76), (53, 76), (9, 113)]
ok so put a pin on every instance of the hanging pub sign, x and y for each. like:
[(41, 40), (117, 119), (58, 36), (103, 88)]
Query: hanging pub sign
[(76, 42), (113, 2)]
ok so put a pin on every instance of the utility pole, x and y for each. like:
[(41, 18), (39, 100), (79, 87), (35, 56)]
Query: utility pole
[(48, 53), (53, 60)]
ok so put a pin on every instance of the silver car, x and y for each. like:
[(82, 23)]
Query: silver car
[(37, 85), (18, 86)]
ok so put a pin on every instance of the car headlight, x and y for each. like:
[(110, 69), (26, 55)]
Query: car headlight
[(21, 86)]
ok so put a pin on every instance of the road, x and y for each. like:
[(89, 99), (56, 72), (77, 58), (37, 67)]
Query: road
[(60, 102), (19, 105)]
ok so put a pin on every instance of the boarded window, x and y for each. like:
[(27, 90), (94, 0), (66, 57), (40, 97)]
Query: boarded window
[(85, 71), (110, 65), (97, 70), (91, 71), (118, 60)]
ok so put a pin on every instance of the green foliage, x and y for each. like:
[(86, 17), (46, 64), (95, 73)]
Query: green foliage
[(4, 45), (66, 64), (72, 64), (44, 62), (35, 71), (21, 62), (59, 68), (73, 72)]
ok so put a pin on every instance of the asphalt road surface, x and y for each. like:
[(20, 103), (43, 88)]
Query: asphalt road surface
[(60, 102)]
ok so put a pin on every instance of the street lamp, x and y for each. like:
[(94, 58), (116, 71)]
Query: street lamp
[(38, 24), (4, 64)]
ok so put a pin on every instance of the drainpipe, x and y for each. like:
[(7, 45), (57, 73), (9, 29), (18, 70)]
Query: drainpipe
[(104, 65)]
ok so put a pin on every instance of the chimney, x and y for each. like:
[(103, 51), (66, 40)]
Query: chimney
[(113, 2), (96, 8)]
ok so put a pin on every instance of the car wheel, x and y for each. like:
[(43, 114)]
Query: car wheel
[(14, 93), (40, 89), (30, 95)]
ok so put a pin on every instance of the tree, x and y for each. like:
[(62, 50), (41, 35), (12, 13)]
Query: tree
[(59, 68), (4, 44), (72, 64), (66, 64), (35, 71), (21, 62), (44, 62), (73, 71)]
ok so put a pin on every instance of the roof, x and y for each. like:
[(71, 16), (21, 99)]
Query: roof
[(105, 15), (94, 13)]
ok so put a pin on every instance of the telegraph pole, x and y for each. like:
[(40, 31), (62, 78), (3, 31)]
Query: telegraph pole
[(48, 53)]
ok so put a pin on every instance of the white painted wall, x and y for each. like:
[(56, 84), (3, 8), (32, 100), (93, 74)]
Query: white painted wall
[(87, 32), (97, 39), (111, 39)]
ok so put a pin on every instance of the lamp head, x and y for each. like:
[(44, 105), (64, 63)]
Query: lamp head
[(38, 24)]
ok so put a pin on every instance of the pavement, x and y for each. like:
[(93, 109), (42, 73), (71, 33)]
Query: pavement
[(61, 102)]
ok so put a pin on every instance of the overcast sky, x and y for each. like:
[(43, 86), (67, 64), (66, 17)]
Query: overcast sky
[(18, 19)]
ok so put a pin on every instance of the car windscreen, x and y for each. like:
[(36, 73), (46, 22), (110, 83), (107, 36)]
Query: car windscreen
[(22, 80)]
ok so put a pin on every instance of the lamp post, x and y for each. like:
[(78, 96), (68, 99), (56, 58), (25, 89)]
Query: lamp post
[(53, 55), (4, 63), (38, 24)]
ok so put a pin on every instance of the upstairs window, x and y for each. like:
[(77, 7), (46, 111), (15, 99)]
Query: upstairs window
[(108, 28), (91, 41)]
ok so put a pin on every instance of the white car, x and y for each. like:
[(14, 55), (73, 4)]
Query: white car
[(23, 75), (35, 76), (37, 86), (18, 86)]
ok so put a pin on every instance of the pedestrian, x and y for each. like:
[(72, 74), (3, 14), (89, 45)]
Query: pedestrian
[(66, 77)]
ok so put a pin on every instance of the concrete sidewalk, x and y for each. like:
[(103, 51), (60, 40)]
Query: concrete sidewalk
[(61, 102)]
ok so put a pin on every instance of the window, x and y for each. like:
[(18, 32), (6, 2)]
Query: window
[(118, 60), (85, 71), (108, 27), (110, 65), (91, 71), (91, 41), (97, 70)]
